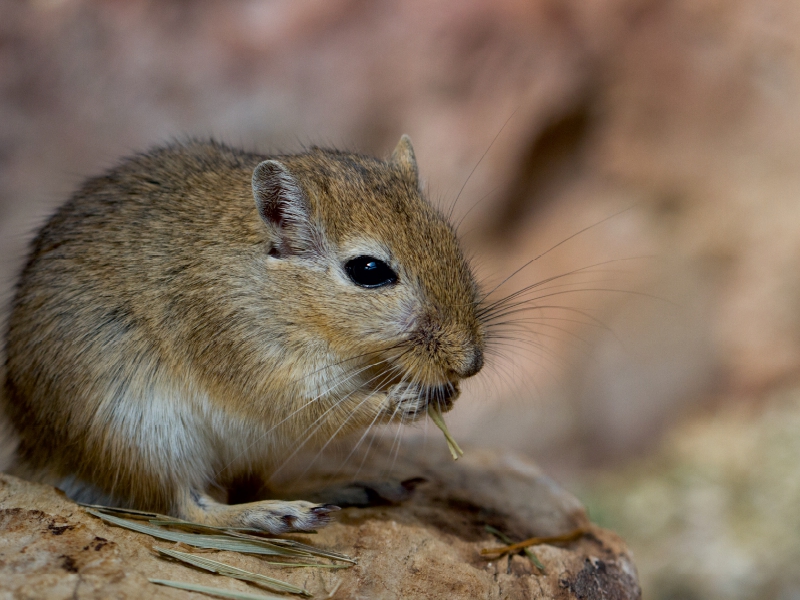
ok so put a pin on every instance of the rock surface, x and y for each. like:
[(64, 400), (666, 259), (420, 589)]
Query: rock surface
[(426, 547), (714, 514)]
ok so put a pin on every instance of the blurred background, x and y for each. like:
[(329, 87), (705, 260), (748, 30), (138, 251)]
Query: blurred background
[(658, 377)]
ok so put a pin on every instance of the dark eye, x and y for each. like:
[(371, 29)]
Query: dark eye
[(369, 272)]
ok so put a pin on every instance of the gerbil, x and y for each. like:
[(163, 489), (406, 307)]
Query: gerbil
[(193, 313)]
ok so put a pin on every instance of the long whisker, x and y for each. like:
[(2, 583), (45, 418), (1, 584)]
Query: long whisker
[(263, 436), (319, 422), (474, 205), (554, 361), (497, 328), (564, 241), (466, 181), (538, 320), (592, 320), (439, 400), (571, 341), (486, 307), (543, 351), (388, 375), (394, 450), (356, 357), (583, 312), (361, 439), (513, 307), (495, 350), (541, 286), (560, 286), (391, 419)]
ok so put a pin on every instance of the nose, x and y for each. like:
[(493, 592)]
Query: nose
[(472, 365)]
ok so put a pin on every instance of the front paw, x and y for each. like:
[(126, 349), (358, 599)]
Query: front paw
[(275, 516)]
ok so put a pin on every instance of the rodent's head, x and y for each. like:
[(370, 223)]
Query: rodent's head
[(376, 272)]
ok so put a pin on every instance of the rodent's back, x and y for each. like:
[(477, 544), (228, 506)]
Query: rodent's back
[(148, 223), (117, 286)]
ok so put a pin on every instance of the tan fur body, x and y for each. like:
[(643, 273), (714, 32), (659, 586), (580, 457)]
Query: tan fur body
[(169, 333)]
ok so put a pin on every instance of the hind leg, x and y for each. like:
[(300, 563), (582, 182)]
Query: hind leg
[(273, 516)]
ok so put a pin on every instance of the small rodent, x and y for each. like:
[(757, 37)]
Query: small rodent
[(190, 315)]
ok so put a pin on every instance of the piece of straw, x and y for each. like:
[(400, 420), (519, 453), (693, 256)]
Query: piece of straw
[(231, 571), (203, 589), (216, 542), (134, 514), (435, 413), (285, 543), (242, 533), (170, 522), (507, 540), (571, 536), (315, 565), (221, 537)]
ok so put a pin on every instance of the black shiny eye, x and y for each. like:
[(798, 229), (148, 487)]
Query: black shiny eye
[(369, 272)]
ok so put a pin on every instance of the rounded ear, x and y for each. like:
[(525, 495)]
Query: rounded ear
[(283, 206), (403, 157)]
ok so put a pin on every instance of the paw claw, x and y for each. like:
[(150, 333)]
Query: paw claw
[(324, 509)]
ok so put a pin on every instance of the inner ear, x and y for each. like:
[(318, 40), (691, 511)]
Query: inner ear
[(283, 206), (277, 193)]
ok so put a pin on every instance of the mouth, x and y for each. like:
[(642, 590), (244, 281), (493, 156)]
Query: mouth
[(444, 396), (409, 401)]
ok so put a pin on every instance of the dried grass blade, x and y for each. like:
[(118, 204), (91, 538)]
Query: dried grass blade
[(172, 522), (241, 533), (436, 416), (234, 572), (140, 514), (571, 536), (507, 540), (316, 565), (296, 546), (203, 589), (215, 542)]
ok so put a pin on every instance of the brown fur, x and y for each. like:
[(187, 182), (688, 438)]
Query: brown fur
[(169, 333)]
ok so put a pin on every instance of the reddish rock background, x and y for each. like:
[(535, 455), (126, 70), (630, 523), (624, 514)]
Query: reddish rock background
[(553, 116)]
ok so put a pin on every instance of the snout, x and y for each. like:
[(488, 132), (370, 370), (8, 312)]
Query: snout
[(471, 365), (455, 347)]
